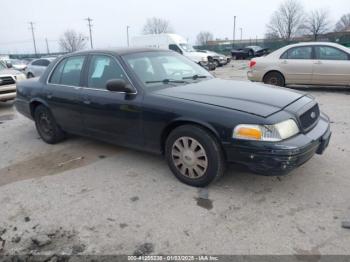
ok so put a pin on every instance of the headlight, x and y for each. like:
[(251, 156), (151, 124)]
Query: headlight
[(204, 59), (20, 77), (276, 132)]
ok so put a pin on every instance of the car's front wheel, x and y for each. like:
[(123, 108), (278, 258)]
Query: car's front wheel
[(46, 125), (194, 155), (30, 75)]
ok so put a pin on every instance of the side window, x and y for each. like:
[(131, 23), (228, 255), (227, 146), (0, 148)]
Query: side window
[(56, 75), (330, 53), (103, 68), (72, 71), (304, 52), (68, 71), (45, 62), (37, 63), (175, 48)]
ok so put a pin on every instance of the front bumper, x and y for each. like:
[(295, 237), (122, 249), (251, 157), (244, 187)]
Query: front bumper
[(7, 92), (279, 158)]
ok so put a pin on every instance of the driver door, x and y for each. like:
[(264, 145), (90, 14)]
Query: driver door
[(111, 116)]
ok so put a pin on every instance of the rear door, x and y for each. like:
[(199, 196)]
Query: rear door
[(112, 116), (331, 67), (63, 92), (296, 64)]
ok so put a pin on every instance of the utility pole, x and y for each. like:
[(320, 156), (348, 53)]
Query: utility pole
[(127, 35), (47, 46), (241, 33), (32, 29), (90, 25), (234, 31)]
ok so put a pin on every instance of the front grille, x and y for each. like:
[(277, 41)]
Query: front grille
[(7, 92), (309, 118), (6, 80)]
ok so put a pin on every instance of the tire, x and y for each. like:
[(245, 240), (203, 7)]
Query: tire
[(200, 170), (274, 78), (46, 125), (30, 75), (216, 62)]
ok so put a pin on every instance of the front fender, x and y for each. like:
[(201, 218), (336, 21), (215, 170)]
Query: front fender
[(184, 120)]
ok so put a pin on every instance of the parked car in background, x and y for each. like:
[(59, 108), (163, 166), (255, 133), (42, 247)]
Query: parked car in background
[(16, 64), (176, 43), (8, 79), (219, 59), (310, 63), (162, 102), (248, 52), (38, 66)]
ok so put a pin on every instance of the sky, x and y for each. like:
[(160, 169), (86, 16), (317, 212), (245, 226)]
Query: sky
[(111, 17)]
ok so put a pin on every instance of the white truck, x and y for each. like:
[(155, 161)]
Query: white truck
[(176, 43)]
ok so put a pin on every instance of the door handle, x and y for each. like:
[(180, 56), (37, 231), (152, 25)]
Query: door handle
[(284, 62), (318, 63), (49, 96)]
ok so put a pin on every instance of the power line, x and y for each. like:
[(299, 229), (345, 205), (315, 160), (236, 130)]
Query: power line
[(90, 25), (32, 28)]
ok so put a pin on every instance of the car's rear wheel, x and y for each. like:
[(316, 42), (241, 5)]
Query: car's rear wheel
[(194, 155), (46, 125), (274, 78)]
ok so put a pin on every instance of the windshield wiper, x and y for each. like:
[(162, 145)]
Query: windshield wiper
[(194, 77), (167, 81)]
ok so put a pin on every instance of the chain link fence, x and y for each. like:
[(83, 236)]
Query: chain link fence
[(225, 47)]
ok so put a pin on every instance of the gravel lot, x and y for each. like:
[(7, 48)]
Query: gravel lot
[(87, 197)]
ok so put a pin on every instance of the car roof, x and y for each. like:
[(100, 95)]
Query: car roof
[(314, 43), (122, 51)]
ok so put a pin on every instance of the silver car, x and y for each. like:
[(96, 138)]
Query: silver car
[(38, 66), (312, 63)]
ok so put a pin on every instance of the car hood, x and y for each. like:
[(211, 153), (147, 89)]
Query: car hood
[(197, 56), (258, 99), (11, 72)]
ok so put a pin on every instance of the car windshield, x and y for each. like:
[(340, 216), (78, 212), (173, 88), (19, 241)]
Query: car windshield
[(187, 48), (2, 66), (255, 48), (161, 69)]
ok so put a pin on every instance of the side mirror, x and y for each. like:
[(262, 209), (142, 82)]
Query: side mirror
[(9, 65), (119, 85)]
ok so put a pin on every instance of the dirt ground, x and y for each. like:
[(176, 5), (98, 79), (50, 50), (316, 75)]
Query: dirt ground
[(87, 197)]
